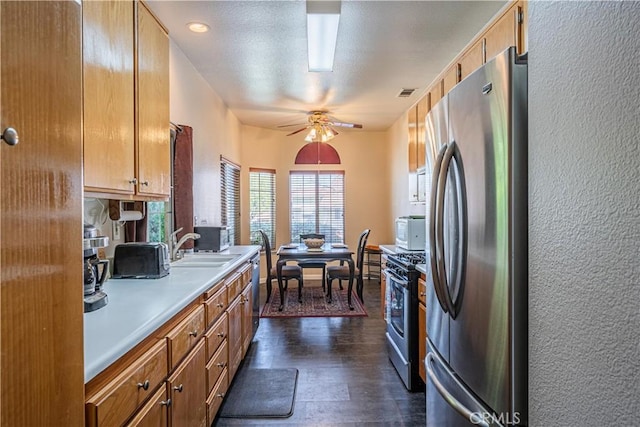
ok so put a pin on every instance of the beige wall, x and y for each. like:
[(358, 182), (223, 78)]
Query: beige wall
[(364, 156), (216, 132), (375, 163)]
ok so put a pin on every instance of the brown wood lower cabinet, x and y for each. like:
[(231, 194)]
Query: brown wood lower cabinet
[(187, 390), (422, 326), (179, 375)]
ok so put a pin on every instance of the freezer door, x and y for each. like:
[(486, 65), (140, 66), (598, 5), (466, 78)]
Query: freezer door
[(481, 124), (437, 135)]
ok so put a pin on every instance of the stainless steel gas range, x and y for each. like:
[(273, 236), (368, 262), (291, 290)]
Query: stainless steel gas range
[(402, 315)]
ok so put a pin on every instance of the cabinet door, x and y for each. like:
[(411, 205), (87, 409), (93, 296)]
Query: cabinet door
[(421, 113), (247, 314), (187, 390), (152, 106), (422, 340), (109, 133), (383, 287), (507, 31), (412, 129), (235, 336), (154, 413), (451, 78), (435, 94), (41, 302), (472, 59)]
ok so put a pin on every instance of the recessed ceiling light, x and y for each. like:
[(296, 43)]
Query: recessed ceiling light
[(198, 27)]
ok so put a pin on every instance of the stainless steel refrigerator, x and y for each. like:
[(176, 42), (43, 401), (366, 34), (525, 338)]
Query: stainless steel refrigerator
[(477, 249)]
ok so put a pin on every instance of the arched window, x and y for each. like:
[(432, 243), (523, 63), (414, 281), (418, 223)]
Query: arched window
[(317, 153)]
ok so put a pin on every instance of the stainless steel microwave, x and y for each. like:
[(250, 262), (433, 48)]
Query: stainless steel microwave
[(212, 239), (411, 232)]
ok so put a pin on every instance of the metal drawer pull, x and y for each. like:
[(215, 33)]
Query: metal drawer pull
[(178, 388), (220, 395), (10, 136), (221, 334), (144, 385), (220, 305), (145, 183), (133, 181), (165, 402), (221, 365), (193, 333)]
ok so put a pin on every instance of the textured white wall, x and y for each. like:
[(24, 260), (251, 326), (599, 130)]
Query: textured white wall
[(584, 224)]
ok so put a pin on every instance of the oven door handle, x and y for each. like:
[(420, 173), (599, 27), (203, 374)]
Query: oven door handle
[(435, 177), (402, 282)]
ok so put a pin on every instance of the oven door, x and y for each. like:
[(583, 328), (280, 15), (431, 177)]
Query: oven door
[(398, 298)]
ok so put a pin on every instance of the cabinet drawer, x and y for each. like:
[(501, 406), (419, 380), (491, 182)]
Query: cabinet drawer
[(213, 290), (246, 274), (422, 291), (216, 396), (216, 335), (234, 285), (215, 306), (217, 365), (185, 335), (154, 413), (117, 401)]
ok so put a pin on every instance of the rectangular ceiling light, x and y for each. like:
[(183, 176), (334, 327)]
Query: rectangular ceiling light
[(322, 33)]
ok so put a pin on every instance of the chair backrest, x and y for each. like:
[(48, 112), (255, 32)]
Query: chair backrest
[(267, 249), (362, 242), (311, 236)]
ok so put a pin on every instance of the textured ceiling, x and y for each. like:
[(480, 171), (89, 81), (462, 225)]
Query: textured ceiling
[(255, 55)]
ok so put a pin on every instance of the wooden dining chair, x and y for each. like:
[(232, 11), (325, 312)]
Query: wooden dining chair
[(289, 272), (341, 272), (314, 264)]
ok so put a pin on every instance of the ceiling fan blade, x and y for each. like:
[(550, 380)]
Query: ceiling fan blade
[(346, 125), (297, 131), (294, 124)]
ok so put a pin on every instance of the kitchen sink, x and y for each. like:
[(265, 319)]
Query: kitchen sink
[(210, 260)]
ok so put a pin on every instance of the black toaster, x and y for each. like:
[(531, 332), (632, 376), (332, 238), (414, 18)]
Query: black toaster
[(140, 261)]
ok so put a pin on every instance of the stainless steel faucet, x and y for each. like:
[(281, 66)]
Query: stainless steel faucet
[(174, 246)]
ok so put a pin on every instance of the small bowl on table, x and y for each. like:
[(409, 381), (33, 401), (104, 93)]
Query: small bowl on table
[(313, 243)]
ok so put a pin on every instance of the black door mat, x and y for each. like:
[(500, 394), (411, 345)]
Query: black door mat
[(261, 393)]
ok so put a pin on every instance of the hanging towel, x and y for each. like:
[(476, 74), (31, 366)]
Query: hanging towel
[(183, 183)]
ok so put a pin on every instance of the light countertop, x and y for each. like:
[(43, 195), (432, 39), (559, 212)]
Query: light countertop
[(137, 307)]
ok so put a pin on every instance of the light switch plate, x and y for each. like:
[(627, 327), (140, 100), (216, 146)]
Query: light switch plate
[(116, 230)]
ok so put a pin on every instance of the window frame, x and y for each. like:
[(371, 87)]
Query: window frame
[(230, 198), (324, 221), (270, 176)]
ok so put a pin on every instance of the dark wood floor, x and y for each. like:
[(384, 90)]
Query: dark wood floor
[(345, 377)]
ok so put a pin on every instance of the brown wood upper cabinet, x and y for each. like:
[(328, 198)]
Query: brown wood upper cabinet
[(508, 30), (126, 101), (451, 78)]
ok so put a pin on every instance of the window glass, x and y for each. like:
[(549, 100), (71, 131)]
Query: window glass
[(262, 205), (230, 195)]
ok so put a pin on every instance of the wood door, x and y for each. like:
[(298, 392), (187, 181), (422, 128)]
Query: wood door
[(247, 317), (421, 112), (41, 338), (187, 390), (152, 107), (451, 78), (109, 131), (235, 336), (472, 59), (154, 413), (504, 33)]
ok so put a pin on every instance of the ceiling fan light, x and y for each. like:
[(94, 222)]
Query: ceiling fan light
[(312, 136), (322, 34)]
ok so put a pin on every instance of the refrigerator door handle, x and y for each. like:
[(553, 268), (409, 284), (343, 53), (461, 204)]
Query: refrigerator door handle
[(451, 400), (432, 228), (440, 261)]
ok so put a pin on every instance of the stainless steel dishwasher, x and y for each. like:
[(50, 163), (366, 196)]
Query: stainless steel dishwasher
[(255, 291)]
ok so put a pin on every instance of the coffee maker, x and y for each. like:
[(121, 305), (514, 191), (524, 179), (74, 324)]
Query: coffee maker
[(95, 269)]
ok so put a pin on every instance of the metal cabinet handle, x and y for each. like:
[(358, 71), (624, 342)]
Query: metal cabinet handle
[(10, 136), (193, 334), (145, 183), (133, 181), (165, 402), (221, 334), (144, 385), (220, 305), (221, 365), (220, 395), (423, 294), (178, 388)]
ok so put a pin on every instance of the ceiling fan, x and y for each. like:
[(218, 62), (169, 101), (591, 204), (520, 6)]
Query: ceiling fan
[(321, 127)]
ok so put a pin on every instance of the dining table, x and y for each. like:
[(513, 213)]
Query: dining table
[(298, 252)]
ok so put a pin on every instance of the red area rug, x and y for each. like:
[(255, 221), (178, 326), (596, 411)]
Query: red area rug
[(314, 303)]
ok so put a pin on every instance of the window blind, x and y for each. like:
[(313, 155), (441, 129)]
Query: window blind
[(317, 204), (262, 209), (230, 198)]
